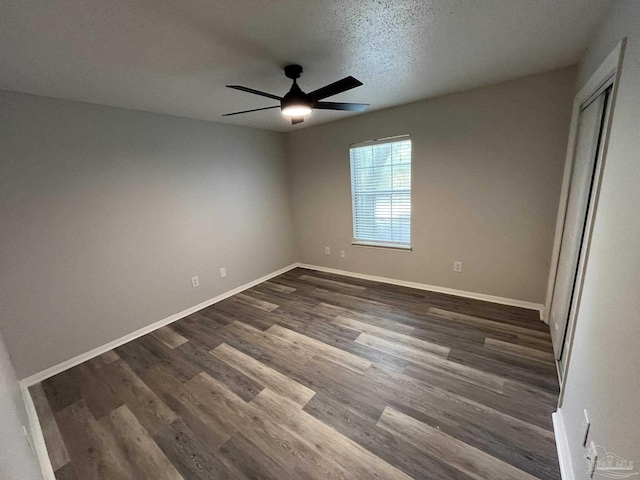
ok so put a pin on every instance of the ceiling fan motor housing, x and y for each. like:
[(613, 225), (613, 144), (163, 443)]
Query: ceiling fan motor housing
[(296, 97)]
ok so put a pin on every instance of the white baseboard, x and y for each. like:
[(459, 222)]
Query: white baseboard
[(37, 437), (72, 362), (432, 288), (562, 445)]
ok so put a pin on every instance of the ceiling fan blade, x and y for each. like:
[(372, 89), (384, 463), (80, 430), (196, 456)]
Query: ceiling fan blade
[(296, 120), (247, 111), (255, 92), (351, 107), (335, 88)]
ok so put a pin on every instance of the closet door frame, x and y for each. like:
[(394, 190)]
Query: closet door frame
[(605, 76)]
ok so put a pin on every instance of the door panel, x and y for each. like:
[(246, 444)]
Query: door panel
[(582, 173)]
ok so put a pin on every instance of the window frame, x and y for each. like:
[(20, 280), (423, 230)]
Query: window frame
[(400, 246)]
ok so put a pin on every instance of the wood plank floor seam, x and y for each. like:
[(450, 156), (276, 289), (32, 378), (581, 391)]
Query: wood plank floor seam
[(311, 375), (467, 459), (520, 350)]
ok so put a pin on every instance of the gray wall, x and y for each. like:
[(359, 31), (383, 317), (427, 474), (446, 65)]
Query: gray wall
[(106, 213), (487, 171), (17, 460), (603, 371)]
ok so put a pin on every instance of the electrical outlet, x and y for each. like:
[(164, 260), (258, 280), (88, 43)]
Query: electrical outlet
[(223, 272), (342, 253), (327, 250), (195, 282), (457, 267), (584, 429)]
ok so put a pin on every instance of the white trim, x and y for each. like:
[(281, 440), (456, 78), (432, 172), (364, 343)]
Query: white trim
[(380, 141), (388, 246), (432, 288), (604, 73), (562, 445), (72, 362), (37, 437)]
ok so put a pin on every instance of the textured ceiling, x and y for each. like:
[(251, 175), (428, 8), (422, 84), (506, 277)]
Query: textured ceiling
[(175, 56)]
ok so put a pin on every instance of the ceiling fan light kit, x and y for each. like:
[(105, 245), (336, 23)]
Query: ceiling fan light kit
[(297, 104)]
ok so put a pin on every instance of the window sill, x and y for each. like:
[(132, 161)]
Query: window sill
[(387, 246)]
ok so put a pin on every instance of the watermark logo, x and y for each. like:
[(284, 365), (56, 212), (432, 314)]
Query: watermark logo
[(609, 465)]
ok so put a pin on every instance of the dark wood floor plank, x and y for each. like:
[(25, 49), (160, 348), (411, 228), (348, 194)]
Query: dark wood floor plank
[(317, 328), (229, 311), (258, 344), (520, 443), (244, 299), (378, 357), (236, 381), (331, 284), (201, 332), (260, 373), (277, 287), (534, 407), (146, 352), (63, 389), (189, 455), (346, 455), (520, 351), (414, 301), (363, 305), (213, 317), (390, 293), (541, 344), (245, 460), (296, 300), (144, 457), (349, 420), (435, 330), (145, 404), (412, 343), (169, 337), (66, 473), (435, 363), (507, 366), (92, 448), (100, 397), (336, 355), (294, 454), (53, 440), (332, 311), (458, 454), (100, 361), (483, 322), (210, 404)]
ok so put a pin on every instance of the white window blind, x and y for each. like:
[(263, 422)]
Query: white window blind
[(381, 192)]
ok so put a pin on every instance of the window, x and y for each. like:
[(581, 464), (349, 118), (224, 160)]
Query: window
[(381, 192)]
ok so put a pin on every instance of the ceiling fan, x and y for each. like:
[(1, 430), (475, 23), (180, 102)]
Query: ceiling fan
[(297, 104)]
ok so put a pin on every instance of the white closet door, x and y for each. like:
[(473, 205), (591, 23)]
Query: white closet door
[(584, 162)]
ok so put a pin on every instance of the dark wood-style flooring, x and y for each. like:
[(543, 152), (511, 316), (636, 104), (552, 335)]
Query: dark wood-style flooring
[(314, 376)]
